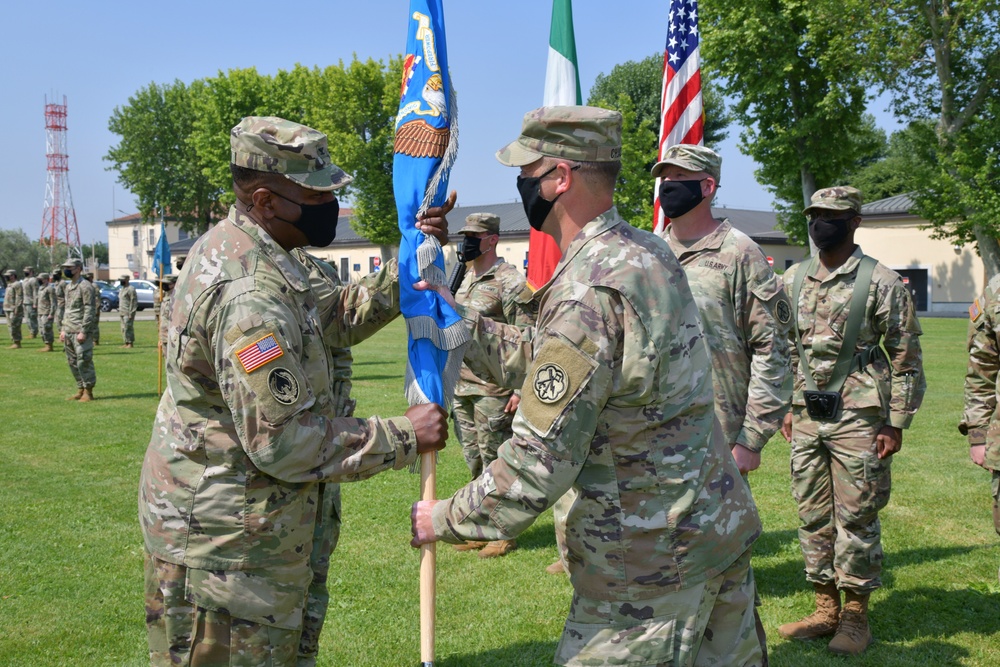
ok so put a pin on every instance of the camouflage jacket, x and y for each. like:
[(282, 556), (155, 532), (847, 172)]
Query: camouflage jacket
[(895, 385), (163, 314), (127, 301), (746, 315), (13, 300), (80, 312), (30, 290), (981, 422), (616, 402), (46, 303), (60, 288), (502, 295), (245, 429)]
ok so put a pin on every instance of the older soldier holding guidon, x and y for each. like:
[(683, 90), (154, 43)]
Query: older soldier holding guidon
[(981, 421), (13, 307), (245, 430), (46, 307), (30, 283), (484, 412), (850, 405), (164, 306), (128, 303), (77, 329), (616, 402)]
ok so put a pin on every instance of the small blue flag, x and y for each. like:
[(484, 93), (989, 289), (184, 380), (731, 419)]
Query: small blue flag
[(161, 258)]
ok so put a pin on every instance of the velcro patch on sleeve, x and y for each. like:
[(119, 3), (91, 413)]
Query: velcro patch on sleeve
[(560, 373), (262, 351), (975, 310)]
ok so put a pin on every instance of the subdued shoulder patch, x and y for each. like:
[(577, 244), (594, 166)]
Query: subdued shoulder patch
[(560, 374), (283, 385), (783, 309)]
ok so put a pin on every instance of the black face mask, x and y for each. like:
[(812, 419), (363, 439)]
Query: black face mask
[(679, 197), (828, 234), (68, 273), (535, 207), (318, 222), (470, 248)]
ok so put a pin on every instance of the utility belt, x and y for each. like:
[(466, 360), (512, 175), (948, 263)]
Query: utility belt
[(824, 405)]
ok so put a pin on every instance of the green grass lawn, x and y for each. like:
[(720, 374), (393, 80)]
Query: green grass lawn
[(71, 552)]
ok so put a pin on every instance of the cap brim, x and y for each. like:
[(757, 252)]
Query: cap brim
[(818, 207), (516, 155), (326, 179)]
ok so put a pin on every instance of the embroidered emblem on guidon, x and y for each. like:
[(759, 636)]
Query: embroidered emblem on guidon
[(283, 385), (550, 383), (259, 352)]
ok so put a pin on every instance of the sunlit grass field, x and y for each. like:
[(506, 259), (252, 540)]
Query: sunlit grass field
[(71, 551)]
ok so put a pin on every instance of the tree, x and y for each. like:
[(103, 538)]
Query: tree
[(906, 165), (18, 251), (799, 88), (98, 250), (940, 60)]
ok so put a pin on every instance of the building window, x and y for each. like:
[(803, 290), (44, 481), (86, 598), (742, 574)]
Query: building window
[(152, 237), (182, 234), (135, 237)]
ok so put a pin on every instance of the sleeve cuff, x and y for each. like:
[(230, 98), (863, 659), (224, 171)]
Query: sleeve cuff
[(439, 521), (900, 421), (403, 439), (751, 440), (977, 436)]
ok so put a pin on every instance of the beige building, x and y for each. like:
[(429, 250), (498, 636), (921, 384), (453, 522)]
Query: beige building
[(132, 242)]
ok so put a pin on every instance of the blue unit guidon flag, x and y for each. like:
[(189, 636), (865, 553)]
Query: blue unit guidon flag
[(260, 352), (425, 149)]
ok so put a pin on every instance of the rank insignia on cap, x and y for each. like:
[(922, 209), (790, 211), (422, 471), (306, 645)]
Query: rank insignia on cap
[(260, 352)]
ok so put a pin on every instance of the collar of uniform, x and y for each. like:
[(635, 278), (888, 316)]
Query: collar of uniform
[(594, 228), (849, 266), (488, 273), (294, 273), (712, 241)]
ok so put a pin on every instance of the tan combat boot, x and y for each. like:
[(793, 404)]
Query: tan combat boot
[(88, 395), (47, 348), (556, 568), (498, 548), (822, 622), (16, 345), (77, 396), (853, 636), (468, 546)]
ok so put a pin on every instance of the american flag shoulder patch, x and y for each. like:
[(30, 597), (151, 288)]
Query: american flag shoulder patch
[(975, 311), (259, 353)]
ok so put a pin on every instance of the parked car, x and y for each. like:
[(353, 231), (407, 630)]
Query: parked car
[(3, 290), (109, 295), (145, 293)]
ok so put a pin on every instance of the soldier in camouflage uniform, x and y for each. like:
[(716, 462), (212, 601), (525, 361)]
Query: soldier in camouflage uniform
[(841, 466), (77, 327), (13, 307), (128, 303), (59, 285), (164, 306), (616, 401), (30, 284), (46, 303), (95, 330), (484, 412), (245, 430), (745, 312), (981, 421)]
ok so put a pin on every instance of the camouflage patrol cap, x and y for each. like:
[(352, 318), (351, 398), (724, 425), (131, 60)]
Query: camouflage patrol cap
[(279, 146), (10, 272), (124, 276), (691, 157), (29, 269), (585, 134), (478, 223), (837, 198), (43, 276), (70, 263)]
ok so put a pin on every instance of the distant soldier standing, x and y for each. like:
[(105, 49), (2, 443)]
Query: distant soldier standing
[(77, 326), (127, 305), (13, 307), (484, 412), (850, 404), (30, 283), (46, 310), (981, 421)]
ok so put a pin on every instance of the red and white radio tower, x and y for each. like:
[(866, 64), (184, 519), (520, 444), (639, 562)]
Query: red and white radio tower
[(58, 216)]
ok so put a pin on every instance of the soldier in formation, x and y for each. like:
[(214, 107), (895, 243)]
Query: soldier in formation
[(76, 333), (13, 307), (30, 285), (850, 405), (615, 375), (95, 295), (46, 307), (484, 412), (250, 399), (127, 305)]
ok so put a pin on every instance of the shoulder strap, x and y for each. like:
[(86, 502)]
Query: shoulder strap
[(796, 288), (855, 316)]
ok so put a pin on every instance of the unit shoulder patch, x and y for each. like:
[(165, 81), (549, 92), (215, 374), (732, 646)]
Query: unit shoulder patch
[(283, 385)]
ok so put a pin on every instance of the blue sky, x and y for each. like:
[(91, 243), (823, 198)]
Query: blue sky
[(97, 54)]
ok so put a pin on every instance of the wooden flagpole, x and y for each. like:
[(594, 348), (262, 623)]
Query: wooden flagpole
[(428, 553), (159, 349)]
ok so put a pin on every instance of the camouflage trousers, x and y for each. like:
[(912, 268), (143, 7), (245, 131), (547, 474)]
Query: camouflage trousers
[(708, 624), (481, 426), (183, 634), (13, 325), (31, 317), (128, 328), (996, 500), (560, 511), (840, 485), (80, 357), (325, 537), (95, 331), (45, 325)]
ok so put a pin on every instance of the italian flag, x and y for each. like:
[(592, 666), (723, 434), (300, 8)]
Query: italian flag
[(562, 87)]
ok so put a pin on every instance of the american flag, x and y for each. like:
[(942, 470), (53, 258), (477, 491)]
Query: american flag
[(260, 352), (681, 113)]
